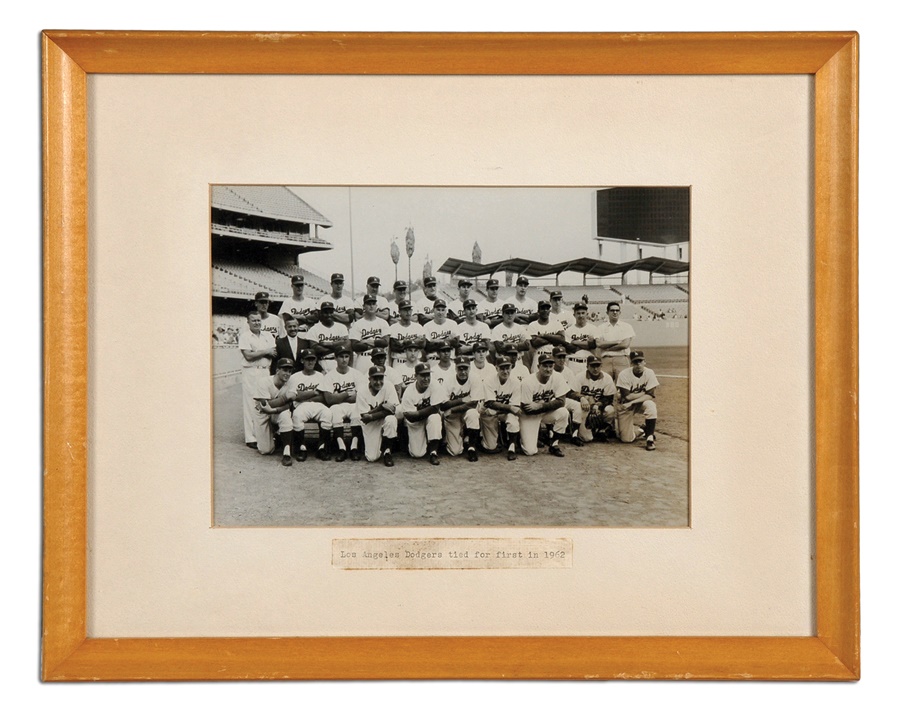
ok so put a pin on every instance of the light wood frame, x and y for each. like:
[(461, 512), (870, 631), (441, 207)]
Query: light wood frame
[(69, 655)]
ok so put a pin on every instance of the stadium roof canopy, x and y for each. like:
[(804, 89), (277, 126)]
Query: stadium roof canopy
[(585, 265), (269, 202)]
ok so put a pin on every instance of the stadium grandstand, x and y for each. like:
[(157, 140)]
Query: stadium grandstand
[(258, 237)]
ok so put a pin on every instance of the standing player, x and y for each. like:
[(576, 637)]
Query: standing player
[(457, 306), (615, 341), (375, 419), (368, 332), (391, 375), (326, 336), (406, 368), (424, 307), (470, 329), (502, 404), (373, 284), (339, 388), (491, 310), (581, 337), (270, 419), (421, 409), (443, 370), (519, 371), (526, 307), (304, 309), (269, 322), (637, 394), (543, 334), (344, 311), (543, 397), (509, 333), (401, 294), (558, 312), (438, 331), (461, 410), (481, 370), (596, 394), (404, 331), (257, 351)]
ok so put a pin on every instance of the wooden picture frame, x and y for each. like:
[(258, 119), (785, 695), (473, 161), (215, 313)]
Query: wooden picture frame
[(69, 655)]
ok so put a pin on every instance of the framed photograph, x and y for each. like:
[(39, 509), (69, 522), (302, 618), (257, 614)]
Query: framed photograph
[(450, 356)]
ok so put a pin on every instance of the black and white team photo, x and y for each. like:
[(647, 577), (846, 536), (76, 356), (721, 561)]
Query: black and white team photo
[(450, 356)]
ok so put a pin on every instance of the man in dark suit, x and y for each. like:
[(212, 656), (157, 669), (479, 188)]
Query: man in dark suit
[(288, 347)]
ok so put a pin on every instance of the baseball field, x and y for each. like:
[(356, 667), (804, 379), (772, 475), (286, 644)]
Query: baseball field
[(598, 485)]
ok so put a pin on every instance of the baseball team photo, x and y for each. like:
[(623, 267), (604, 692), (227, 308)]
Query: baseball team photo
[(396, 356)]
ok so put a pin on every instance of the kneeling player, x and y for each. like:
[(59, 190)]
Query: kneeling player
[(461, 409), (502, 404), (375, 408), (543, 401), (269, 418), (596, 392), (420, 408), (339, 388), (637, 394)]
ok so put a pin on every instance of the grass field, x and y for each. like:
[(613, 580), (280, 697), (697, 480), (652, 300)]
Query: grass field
[(599, 485)]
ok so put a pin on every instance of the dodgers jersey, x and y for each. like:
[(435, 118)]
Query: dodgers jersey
[(413, 400), (534, 390), (634, 384)]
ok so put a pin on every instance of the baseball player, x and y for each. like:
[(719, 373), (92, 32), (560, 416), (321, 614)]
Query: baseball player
[(519, 371), (325, 336), (491, 310), (470, 329), (615, 341), (637, 394), (457, 307), (404, 331), (382, 311), (339, 388), (290, 345), (439, 330), (573, 404), (424, 307), (375, 417), (270, 323), (481, 370), (391, 375), (596, 394), (543, 334), (558, 311), (421, 410), (406, 367), (526, 308), (502, 404), (303, 308), (368, 332), (509, 333), (257, 351), (344, 309), (543, 398), (461, 410), (582, 337), (443, 370), (269, 419), (401, 294)]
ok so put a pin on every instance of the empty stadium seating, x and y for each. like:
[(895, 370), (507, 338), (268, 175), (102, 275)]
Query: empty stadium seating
[(653, 293)]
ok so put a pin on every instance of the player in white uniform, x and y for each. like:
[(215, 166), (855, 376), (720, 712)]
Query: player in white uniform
[(366, 333), (271, 323), (596, 394), (456, 308), (257, 350), (373, 284), (615, 341), (637, 394), (391, 375), (502, 404), (401, 294), (543, 334), (406, 367), (543, 397), (344, 309), (582, 337), (481, 370), (375, 417), (508, 333), (558, 311), (461, 410), (424, 307), (404, 331), (470, 329), (443, 370), (490, 311), (339, 388), (305, 309), (573, 404), (438, 331), (421, 410), (519, 371), (325, 336), (526, 308), (268, 419)]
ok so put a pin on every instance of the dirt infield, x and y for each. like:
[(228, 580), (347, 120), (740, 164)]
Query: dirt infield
[(599, 485)]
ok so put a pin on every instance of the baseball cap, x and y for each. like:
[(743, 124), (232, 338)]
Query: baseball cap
[(636, 356), (327, 306), (439, 303), (429, 281), (404, 304), (307, 354), (462, 361), (422, 369), (373, 280), (480, 346), (337, 277), (578, 306), (298, 280), (469, 303), (493, 283), (285, 363), (377, 352), (509, 307), (400, 285), (464, 281), (444, 347), (545, 358), (504, 361), (376, 371), (559, 351), (543, 304), (593, 359), (370, 299), (343, 349), (556, 294), (410, 344), (522, 280), (261, 296)]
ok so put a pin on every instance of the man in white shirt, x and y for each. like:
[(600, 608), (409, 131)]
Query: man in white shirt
[(257, 351), (344, 310), (368, 332), (615, 341), (637, 394), (543, 397), (339, 388), (375, 417), (421, 410), (304, 309)]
